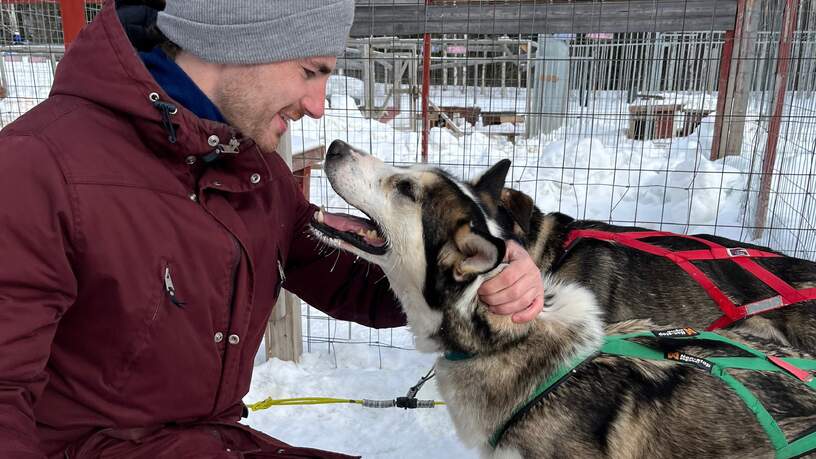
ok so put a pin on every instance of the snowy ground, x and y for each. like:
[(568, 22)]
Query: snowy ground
[(588, 169), (355, 371)]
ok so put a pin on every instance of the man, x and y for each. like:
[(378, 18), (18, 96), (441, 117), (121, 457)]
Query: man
[(148, 227)]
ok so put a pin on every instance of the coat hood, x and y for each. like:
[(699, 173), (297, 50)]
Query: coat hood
[(103, 66)]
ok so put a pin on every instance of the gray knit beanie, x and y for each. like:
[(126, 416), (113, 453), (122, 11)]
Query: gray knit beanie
[(257, 31)]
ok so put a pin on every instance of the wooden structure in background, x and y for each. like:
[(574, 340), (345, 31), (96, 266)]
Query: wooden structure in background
[(414, 17), (692, 119), (652, 122), (284, 336), (736, 68), (493, 118), (442, 117)]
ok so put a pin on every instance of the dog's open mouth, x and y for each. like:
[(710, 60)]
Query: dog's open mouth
[(359, 232)]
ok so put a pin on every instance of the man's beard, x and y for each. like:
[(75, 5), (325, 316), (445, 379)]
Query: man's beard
[(247, 114)]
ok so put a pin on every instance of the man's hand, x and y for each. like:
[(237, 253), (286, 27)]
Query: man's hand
[(518, 289)]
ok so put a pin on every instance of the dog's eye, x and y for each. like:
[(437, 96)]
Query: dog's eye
[(406, 188)]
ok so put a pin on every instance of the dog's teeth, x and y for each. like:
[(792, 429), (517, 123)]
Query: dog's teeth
[(319, 216)]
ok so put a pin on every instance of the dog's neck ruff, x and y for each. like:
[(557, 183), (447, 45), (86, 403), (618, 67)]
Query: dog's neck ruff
[(619, 345)]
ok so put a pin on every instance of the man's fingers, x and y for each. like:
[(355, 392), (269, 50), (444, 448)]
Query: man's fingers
[(515, 304), (509, 293), (505, 279), (531, 312)]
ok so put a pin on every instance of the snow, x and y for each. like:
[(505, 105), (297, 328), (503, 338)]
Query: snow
[(346, 86)]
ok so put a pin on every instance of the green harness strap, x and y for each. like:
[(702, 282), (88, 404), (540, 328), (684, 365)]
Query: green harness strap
[(619, 345)]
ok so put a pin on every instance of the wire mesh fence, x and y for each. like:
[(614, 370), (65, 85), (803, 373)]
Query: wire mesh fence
[(32, 44), (682, 115), (618, 126)]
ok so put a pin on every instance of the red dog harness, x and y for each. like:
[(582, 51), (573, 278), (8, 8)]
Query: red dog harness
[(743, 257)]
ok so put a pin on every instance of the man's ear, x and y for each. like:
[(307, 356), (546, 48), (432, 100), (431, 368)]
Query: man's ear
[(520, 206), (481, 252), (492, 181)]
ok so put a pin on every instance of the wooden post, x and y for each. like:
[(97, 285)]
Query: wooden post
[(463, 88), (528, 131), (484, 72), (368, 82), (73, 19), (504, 74), (782, 68), (412, 62), (444, 61), (398, 72), (284, 337), (736, 69)]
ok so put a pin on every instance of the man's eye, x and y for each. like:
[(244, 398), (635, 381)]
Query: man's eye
[(309, 73)]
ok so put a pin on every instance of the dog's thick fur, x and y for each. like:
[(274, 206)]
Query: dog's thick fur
[(632, 284), (442, 241)]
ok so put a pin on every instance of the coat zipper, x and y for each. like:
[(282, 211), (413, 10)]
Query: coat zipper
[(170, 289)]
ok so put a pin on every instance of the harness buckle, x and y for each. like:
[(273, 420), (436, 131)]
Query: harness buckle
[(737, 252)]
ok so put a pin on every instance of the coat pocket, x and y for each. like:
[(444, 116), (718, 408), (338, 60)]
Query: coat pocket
[(140, 328)]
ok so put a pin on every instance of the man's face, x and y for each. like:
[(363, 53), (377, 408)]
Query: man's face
[(259, 99)]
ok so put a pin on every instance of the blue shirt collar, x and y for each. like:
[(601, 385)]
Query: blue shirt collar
[(179, 86)]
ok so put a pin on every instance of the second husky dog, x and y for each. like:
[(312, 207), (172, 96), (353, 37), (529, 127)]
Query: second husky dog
[(632, 283)]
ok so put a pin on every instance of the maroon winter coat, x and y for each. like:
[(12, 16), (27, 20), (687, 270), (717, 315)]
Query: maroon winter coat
[(99, 214)]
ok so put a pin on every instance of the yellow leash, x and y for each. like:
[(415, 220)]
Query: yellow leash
[(409, 401), (269, 402), (264, 404)]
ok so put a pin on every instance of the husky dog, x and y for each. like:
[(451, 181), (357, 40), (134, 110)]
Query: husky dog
[(437, 240), (631, 284)]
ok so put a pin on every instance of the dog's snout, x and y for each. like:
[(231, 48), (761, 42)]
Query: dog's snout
[(338, 149)]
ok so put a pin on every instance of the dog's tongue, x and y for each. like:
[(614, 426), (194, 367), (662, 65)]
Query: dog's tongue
[(343, 223), (355, 225)]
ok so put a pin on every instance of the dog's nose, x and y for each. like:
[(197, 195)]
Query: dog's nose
[(338, 149)]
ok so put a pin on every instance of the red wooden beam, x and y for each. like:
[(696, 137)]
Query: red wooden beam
[(782, 69), (73, 19), (426, 85)]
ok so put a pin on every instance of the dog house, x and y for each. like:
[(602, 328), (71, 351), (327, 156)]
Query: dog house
[(652, 122)]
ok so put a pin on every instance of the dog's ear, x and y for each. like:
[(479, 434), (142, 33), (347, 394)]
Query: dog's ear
[(480, 252), (520, 206), (492, 181)]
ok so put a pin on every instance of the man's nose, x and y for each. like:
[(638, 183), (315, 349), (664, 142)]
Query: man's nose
[(314, 103)]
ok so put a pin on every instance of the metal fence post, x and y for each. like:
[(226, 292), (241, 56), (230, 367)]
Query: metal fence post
[(73, 19)]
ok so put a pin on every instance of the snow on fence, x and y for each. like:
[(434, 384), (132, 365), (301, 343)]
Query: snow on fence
[(609, 110)]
